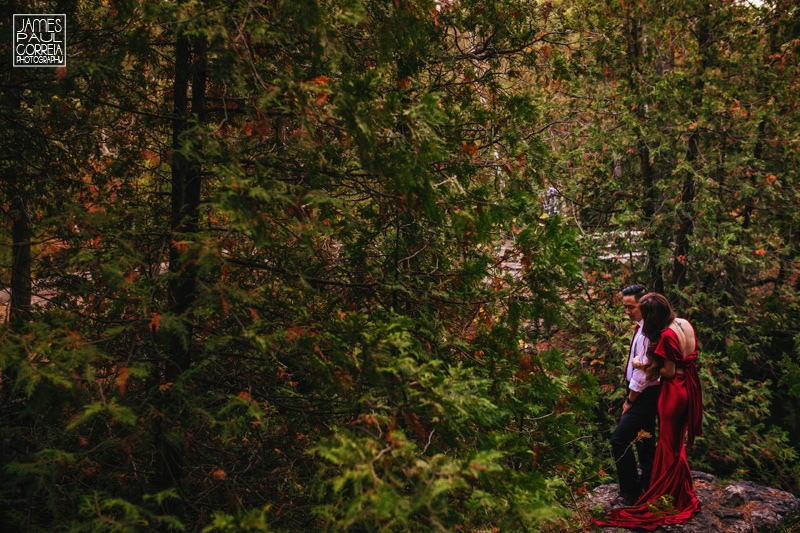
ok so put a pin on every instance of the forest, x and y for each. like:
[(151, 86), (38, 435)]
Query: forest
[(355, 265)]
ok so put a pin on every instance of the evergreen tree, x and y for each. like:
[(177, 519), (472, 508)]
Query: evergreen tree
[(286, 306), (682, 171)]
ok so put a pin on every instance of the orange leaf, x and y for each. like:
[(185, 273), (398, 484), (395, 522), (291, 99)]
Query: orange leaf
[(180, 246), (295, 333), (319, 352), (151, 156), (155, 321), (122, 381)]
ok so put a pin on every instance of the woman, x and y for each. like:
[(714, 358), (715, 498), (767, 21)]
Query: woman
[(673, 353)]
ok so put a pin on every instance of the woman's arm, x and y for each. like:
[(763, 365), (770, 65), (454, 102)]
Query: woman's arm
[(668, 370)]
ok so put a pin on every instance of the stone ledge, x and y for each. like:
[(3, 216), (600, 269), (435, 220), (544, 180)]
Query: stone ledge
[(730, 507)]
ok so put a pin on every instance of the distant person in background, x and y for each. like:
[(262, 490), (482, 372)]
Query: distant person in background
[(551, 202), (672, 354), (639, 410)]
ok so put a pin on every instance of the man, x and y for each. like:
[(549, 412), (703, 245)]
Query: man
[(638, 412)]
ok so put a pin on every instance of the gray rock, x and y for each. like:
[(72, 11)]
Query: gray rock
[(734, 496), (702, 476), (730, 507), (765, 520), (724, 512), (699, 524), (733, 526)]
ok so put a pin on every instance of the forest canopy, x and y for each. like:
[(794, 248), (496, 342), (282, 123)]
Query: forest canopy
[(355, 265)]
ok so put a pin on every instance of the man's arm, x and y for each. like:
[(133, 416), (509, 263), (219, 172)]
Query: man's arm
[(638, 381), (632, 395)]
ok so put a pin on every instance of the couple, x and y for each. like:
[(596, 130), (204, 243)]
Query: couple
[(663, 380)]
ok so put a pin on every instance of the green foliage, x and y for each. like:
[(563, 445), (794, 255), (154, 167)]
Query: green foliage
[(323, 292), (101, 513), (678, 172), (255, 520), (327, 340), (739, 442)]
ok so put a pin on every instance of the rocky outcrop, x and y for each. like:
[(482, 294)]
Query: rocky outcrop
[(732, 507)]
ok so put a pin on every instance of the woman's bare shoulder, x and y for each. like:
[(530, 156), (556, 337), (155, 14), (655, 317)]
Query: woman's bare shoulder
[(678, 325), (682, 324), (681, 328), (684, 332)]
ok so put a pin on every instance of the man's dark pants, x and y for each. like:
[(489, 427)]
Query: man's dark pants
[(640, 416)]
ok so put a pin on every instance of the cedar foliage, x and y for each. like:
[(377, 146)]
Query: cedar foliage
[(684, 165), (283, 307), (275, 255)]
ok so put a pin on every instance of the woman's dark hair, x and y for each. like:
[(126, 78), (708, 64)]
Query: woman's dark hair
[(657, 314)]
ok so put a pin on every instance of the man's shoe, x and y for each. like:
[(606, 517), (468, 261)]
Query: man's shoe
[(630, 499)]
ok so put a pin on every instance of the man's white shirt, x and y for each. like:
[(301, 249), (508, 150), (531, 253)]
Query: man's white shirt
[(637, 377)]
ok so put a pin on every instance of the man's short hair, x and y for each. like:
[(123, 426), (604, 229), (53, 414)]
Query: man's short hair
[(637, 291)]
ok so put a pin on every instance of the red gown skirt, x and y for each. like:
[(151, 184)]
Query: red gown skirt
[(671, 498)]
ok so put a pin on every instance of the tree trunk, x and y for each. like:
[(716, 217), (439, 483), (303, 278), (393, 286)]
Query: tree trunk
[(680, 259), (20, 263), (649, 178), (654, 270), (20, 233), (190, 63), (186, 187)]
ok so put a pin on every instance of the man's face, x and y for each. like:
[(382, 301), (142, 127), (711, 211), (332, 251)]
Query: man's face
[(632, 308)]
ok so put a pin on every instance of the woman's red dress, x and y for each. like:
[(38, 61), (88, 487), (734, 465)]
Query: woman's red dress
[(670, 498)]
